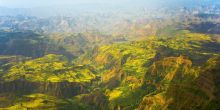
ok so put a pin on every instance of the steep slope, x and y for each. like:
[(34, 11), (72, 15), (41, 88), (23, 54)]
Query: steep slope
[(157, 73), (197, 88), (50, 68), (171, 71), (129, 71), (208, 82), (28, 44), (50, 74)]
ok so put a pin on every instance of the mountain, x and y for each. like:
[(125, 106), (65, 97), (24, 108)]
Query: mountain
[(135, 57), (28, 44), (157, 73)]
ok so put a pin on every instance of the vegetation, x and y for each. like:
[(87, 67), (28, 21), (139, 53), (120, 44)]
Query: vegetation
[(168, 71), (50, 68)]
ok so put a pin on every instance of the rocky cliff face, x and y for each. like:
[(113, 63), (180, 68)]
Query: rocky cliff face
[(183, 85), (160, 76), (208, 82), (59, 89)]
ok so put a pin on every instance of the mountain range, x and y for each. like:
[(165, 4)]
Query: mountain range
[(128, 58)]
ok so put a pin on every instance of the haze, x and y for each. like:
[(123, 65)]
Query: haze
[(43, 3), (40, 3)]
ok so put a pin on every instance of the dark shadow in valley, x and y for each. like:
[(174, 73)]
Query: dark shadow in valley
[(205, 27), (29, 44), (58, 89)]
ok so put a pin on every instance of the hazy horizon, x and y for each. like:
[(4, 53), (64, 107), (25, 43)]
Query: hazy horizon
[(109, 54), (63, 3), (46, 3)]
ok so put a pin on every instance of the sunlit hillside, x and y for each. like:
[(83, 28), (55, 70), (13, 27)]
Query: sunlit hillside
[(110, 55)]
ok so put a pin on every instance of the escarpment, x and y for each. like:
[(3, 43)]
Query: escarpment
[(59, 89)]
